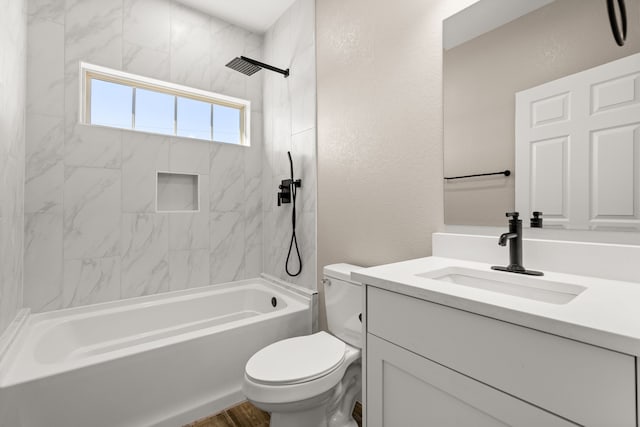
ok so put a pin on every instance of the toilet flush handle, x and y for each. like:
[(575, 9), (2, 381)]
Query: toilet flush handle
[(326, 282)]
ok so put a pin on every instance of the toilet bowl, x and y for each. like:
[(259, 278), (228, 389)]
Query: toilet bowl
[(314, 380)]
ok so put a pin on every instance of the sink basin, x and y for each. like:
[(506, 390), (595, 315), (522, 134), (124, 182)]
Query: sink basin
[(533, 288)]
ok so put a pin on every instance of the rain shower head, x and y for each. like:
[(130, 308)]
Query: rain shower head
[(250, 66)]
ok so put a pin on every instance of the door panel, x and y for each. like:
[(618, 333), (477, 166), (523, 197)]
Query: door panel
[(597, 175)]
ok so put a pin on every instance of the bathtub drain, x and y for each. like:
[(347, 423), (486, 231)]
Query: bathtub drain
[(274, 301)]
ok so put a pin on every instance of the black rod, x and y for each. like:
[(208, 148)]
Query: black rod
[(620, 35), (505, 173), (267, 66)]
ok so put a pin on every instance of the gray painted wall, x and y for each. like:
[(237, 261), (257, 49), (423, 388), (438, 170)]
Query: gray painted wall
[(379, 128)]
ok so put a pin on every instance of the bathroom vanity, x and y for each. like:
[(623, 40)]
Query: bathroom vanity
[(449, 342)]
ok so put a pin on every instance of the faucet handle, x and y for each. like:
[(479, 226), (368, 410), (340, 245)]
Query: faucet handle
[(513, 215), (536, 221)]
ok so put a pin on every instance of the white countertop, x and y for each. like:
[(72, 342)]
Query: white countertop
[(606, 314)]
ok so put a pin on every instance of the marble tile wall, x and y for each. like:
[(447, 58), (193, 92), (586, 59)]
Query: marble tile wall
[(290, 125), (92, 233), (13, 39)]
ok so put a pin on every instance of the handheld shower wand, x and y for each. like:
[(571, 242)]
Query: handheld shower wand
[(287, 194)]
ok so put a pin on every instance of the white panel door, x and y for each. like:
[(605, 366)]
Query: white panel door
[(578, 148), (404, 389)]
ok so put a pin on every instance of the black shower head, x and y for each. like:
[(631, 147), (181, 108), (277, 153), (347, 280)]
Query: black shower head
[(243, 66), (250, 66)]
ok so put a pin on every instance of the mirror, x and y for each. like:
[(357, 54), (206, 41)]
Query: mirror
[(495, 49)]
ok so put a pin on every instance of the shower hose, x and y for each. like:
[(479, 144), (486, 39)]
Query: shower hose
[(294, 239)]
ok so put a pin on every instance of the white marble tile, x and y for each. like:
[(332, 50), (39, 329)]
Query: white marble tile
[(145, 61), (303, 91), (45, 67), (90, 281), (269, 191), (303, 24), (188, 17), (226, 177), (177, 193), (282, 43), (281, 139), (190, 47), (217, 24), (92, 210), (189, 156), (289, 125), (190, 230), (276, 241), (43, 261), (303, 152), (93, 146), (227, 42), (253, 42), (257, 133), (13, 47), (11, 184), (70, 105), (253, 201), (188, 269), (253, 180), (306, 234), (145, 254), (52, 10), (227, 247), (142, 156), (44, 166), (254, 85), (253, 243), (11, 261), (93, 33), (148, 23)]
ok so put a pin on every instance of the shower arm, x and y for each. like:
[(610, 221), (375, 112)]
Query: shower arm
[(266, 66)]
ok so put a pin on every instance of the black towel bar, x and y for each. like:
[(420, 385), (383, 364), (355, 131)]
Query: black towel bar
[(505, 173)]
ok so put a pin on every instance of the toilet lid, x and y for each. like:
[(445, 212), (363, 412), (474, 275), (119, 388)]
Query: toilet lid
[(296, 360)]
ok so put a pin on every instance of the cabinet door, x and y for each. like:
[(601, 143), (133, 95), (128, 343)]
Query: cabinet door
[(404, 389)]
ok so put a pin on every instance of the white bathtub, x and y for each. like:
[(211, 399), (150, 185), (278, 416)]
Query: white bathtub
[(161, 360)]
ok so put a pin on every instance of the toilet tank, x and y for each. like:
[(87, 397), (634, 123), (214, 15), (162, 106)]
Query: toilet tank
[(343, 301)]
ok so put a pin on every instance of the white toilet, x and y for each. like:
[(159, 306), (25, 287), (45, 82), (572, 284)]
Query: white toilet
[(314, 380)]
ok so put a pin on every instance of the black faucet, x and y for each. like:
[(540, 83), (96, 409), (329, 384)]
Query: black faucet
[(514, 236)]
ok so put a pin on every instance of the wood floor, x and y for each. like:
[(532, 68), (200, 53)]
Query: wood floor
[(247, 415)]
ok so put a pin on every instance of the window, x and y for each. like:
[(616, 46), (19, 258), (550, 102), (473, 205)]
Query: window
[(126, 101)]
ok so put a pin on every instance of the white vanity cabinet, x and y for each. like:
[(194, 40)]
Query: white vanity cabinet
[(429, 364)]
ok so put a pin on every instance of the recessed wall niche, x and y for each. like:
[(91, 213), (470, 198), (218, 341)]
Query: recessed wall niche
[(177, 192)]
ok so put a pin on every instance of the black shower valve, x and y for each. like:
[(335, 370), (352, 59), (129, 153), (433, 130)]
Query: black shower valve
[(284, 195), (286, 184)]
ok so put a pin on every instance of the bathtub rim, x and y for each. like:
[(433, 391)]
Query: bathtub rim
[(8, 377), (296, 294)]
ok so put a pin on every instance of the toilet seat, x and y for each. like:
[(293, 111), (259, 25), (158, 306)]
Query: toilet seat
[(285, 394), (296, 360)]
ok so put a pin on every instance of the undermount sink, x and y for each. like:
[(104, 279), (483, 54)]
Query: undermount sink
[(534, 288)]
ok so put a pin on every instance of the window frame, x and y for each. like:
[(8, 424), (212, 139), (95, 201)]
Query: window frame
[(89, 72)]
